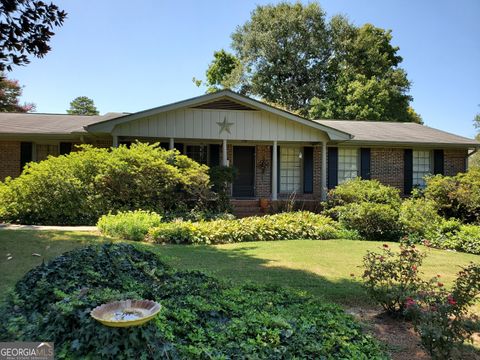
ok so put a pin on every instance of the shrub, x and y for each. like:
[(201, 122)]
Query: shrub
[(284, 226), (357, 191), (130, 225), (391, 278), (419, 217), (456, 196), (466, 239), (441, 317), (200, 316), (80, 187), (222, 177), (372, 221)]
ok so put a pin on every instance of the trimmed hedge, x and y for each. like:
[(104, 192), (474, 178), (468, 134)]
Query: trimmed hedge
[(200, 318), (283, 226), (78, 188), (129, 225)]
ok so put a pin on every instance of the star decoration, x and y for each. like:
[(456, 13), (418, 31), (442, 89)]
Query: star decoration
[(225, 125)]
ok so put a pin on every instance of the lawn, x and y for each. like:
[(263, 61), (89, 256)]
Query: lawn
[(322, 267)]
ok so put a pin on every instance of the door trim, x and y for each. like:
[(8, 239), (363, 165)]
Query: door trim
[(254, 171)]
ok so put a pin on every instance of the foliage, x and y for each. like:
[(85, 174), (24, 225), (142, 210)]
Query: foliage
[(26, 28), (221, 178), (357, 190), (10, 93), (224, 72), (129, 225), (466, 238), (456, 196), (371, 220), (391, 278), (441, 317), (418, 217), (284, 226), (200, 317), (80, 187), (82, 105)]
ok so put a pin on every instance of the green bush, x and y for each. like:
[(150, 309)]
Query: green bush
[(372, 221), (200, 318), (456, 196), (129, 225), (78, 188), (466, 239), (284, 226), (357, 191), (418, 217)]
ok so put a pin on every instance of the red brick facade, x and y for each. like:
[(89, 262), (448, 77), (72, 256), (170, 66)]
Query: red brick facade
[(9, 159), (387, 166), (263, 171), (454, 161)]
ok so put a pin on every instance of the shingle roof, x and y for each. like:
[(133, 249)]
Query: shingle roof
[(34, 123), (396, 132)]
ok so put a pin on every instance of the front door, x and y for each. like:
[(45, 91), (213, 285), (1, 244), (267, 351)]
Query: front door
[(244, 162)]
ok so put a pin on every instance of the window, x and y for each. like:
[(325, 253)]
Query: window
[(199, 153), (290, 169), (44, 150), (348, 160), (422, 166)]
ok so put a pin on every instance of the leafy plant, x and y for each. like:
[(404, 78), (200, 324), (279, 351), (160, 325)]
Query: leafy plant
[(200, 317), (129, 225), (222, 177), (419, 217)]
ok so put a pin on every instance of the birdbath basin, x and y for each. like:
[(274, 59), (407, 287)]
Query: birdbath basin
[(126, 313)]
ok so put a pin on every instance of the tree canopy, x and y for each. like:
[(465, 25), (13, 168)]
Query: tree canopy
[(26, 28), (82, 105), (291, 55), (10, 93)]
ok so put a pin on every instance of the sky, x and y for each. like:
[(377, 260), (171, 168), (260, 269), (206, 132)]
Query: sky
[(134, 55)]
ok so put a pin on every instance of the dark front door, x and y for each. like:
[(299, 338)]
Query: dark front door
[(244, 162)]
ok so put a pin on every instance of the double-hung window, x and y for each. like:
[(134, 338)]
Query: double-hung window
[(290, 169), (422, 166), (348, 164), (199, 153)]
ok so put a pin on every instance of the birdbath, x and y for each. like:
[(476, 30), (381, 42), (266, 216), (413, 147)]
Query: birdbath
[(126, 313)]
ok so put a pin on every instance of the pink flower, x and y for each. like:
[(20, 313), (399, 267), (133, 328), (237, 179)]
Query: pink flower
[(409, 302), (414, 268), (451, 300)]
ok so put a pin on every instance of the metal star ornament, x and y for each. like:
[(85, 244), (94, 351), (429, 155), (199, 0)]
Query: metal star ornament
[(225, 125)]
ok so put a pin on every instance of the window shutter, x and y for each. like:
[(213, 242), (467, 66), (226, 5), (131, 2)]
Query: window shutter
[(365, 163), (278, 169), (65, 148), (26, 153), (179, 147), (332, 167), (438, 162), (408, 171), (308, 170), (214, 155)]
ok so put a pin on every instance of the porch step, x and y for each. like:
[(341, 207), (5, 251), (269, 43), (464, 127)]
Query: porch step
[(244, 208)]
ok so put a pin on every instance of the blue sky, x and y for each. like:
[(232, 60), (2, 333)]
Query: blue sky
[(133, 55)]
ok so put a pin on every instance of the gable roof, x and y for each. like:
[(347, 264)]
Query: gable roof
[(107, 126), (55, 124), (401, 133)]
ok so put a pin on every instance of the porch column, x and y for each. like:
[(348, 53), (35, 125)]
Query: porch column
[(115, 141), (171, 144), (224, 153), (324, 171), (274, 171)]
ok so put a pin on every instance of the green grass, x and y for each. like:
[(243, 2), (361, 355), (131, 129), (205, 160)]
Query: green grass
[(321, 267)]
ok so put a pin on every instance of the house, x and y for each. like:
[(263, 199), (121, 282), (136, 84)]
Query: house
[(277, 153)]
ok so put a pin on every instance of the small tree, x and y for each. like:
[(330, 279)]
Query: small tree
[(26, 28), (10, 92), (82, 105)]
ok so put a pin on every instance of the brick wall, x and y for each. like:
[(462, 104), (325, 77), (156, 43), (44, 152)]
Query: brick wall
[(454, 161), (386, 166), (9, 159), (263, 171), (317, 172)]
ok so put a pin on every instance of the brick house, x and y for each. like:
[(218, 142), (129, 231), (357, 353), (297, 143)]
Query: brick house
[(277, 153)]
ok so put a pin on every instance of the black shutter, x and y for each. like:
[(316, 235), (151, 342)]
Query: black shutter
[(25, 153), (278, 169), (408, 171), (308, 170), (438, 162), (332, 167), (365, 163), (65, 148), (214, 155), (179, 147)]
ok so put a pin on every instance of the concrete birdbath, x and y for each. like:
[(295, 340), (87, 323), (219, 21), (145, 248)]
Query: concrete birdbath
[(126, 313)]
